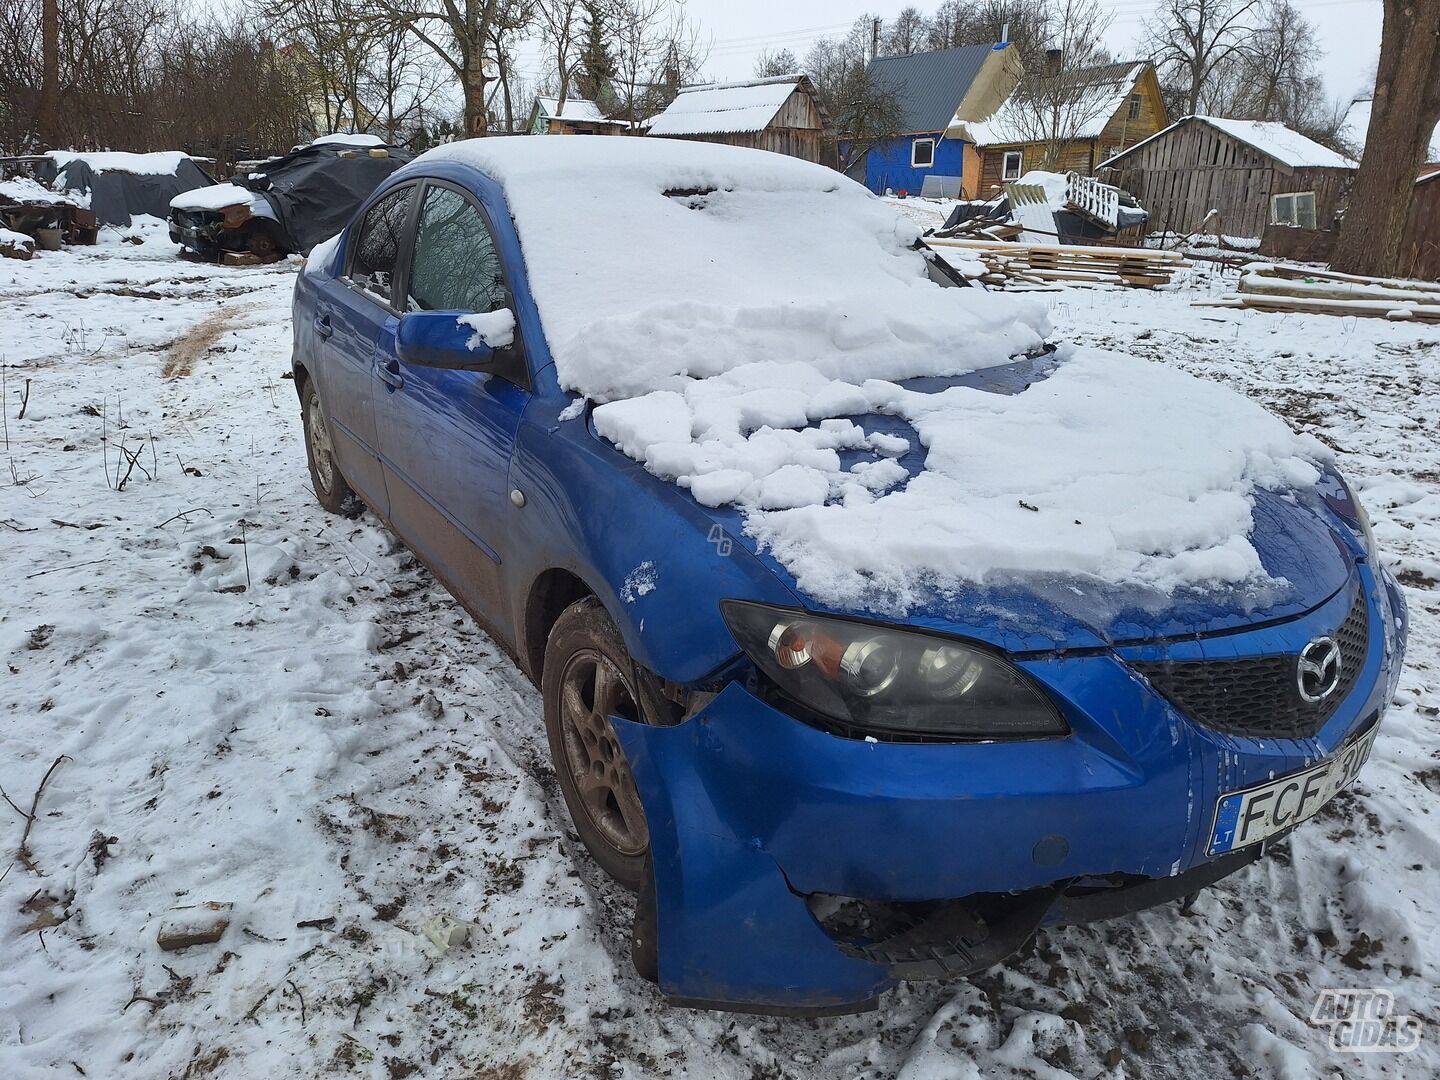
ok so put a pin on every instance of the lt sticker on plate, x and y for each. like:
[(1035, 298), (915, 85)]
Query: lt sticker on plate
[(1246, 817)]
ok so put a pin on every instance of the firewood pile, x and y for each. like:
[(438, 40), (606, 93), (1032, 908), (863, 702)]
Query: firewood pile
[(1008, 263), (1297, 289)]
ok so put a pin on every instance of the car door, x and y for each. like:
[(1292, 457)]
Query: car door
[(446, 436), (353, 313)]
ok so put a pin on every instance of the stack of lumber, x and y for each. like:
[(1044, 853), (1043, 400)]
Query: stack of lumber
[(1267, 287), (1030, 263)]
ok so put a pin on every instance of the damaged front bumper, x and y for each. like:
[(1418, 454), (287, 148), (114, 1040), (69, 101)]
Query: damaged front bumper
[(796, 871)]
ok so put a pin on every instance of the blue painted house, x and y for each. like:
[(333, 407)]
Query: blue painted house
[(936, 88)]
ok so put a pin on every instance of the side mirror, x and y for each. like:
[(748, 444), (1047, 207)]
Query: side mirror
[(447, 339)]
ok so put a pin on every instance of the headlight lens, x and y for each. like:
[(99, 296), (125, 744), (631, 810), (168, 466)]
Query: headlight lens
[(892, 683), (1367, 534)]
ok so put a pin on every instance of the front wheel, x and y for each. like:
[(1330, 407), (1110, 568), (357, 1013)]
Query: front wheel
[(330, 487), (589, 677)]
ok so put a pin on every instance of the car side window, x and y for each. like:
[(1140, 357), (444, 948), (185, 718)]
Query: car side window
[(456, 266), (377, 253)]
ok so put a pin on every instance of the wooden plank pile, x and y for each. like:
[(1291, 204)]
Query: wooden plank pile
[(1295, 289), (1006, 263)]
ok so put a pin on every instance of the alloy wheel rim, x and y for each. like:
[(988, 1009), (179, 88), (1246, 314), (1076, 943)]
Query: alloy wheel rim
[(320, 443), (592, 689)]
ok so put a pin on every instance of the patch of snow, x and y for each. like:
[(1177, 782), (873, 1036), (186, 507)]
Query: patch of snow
[(17, 239), (221, 196), (725, 108), (23, 189), (158, 163), (639, 582), (345, 138), (320, 254), (495, 329)]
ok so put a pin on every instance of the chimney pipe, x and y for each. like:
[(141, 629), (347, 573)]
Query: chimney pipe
[(1053, 57)]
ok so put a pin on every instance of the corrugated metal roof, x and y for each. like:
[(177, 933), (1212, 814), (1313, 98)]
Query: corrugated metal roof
[(726, 108), (932, 84)]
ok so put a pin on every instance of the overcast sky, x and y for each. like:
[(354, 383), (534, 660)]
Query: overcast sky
[(1349, 31)]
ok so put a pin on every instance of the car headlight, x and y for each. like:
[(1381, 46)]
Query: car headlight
[(1367, 534), (895, 684)]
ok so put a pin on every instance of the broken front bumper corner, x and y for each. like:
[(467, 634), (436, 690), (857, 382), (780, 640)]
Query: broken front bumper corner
[(736, 794)]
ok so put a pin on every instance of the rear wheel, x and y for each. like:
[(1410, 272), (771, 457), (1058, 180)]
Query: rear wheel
[(330, 487), (588, 677)]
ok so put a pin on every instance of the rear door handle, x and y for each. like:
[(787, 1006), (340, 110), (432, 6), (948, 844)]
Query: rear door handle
[(389, 373), (323, 327)]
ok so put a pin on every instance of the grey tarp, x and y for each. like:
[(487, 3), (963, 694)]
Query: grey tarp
[(316, 190), (116, 196)]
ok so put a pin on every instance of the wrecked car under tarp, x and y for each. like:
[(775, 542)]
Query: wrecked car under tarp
[(121, 186), (288, 205)]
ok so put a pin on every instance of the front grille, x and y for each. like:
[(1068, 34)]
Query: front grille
[(1258, 696)]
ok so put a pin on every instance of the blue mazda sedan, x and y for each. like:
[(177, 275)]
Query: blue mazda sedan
[(874, 629)]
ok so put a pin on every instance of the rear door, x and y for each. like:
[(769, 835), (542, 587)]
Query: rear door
[(446, 437), (354, 312)]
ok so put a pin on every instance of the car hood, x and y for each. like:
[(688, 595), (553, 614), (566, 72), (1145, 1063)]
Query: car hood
[(1302, 538)]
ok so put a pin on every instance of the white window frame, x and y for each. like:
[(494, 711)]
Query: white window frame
[(914, 145), (1295, 217), (1005, 173)]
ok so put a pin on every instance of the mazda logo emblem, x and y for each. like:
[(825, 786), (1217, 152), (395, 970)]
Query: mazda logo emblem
[(1317, 671)]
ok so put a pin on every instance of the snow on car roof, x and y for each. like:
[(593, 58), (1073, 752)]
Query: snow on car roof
[(159, 163), (733, 310), (725, 108)]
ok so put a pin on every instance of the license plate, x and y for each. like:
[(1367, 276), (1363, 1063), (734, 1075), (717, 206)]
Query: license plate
[(1247, 817)]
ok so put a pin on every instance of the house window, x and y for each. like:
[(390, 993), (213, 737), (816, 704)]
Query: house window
[(1013, 165), (1294, 208), (1134, 106), (922, 153)]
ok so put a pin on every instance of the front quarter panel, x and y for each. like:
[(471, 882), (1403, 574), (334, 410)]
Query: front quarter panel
[(647, 550)]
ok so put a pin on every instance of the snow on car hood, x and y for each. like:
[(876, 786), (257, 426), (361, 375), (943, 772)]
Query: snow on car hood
[(1112, 471), (734, 311), (221, 197)]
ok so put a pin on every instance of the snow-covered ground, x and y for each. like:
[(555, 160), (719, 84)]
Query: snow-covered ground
[(254, 703)]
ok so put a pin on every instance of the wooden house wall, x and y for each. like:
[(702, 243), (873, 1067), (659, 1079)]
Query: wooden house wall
[(1197, 168), (1420, 257)]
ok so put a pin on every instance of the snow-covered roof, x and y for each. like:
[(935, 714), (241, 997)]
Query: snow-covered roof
[(577, 110), (733, 328), (22, 189), (1356, 127), (359, 141), (1272, 139), (1101, 92), (725, 108), (159, 163)]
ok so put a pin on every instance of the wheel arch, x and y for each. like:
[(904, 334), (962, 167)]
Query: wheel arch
[(552, 591)]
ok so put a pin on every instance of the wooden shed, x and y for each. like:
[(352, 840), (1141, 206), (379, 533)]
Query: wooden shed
[(1252, 173), (1420, 257), (783, 114)]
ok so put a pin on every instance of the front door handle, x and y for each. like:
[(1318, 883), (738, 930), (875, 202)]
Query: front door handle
[(323, 327), (389, 373)]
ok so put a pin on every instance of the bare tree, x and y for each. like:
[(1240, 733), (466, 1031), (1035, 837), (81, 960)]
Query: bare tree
[(47, 120), (1405, 112), (1190, 40), (905, 35), (657, 51), (1056, 105), (560, 26), (770, 64)]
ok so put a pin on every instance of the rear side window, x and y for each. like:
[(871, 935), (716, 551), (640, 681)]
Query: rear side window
[(456, 266), (377, 253)]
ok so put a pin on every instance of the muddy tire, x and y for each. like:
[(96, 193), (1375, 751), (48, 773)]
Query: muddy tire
[(589, 677), (331, 490)]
